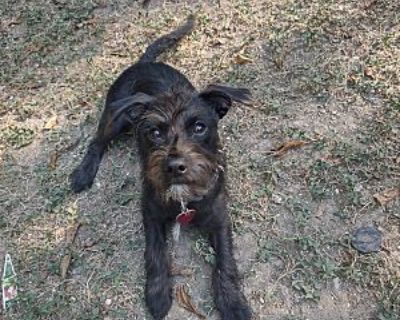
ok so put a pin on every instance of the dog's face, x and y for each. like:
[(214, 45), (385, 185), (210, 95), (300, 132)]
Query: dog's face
[(178, 139)]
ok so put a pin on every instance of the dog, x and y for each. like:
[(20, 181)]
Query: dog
[(176, 129)]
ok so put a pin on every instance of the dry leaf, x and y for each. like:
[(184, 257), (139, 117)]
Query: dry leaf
[(352, 79), (89, 243), (285, 147), (278, 62), (387, 196), (54, 156), (65, 262), (218, 42), (369, 4), (32, 48), (71, 233), (181, 271), (51, 123), (242, 59), (12, 22), (331, 160), (368, 72), (69, 240), (185, 301)]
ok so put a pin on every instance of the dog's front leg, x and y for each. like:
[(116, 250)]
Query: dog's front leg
[(158, 292), (229, 299)]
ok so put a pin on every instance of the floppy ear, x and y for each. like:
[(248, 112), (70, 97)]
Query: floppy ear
[(221, 97), (131, 106)]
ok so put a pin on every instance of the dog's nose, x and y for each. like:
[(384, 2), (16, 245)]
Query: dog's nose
[(176, 166)]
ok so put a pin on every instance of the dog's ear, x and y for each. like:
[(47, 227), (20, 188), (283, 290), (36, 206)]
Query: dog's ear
[(222, 97), (131, 106)]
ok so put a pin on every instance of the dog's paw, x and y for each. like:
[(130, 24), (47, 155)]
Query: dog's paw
[(236, 312), (158, 296), (80, 180), (233, 306), (159, 304)]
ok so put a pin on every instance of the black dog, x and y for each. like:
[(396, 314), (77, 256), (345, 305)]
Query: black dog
[(182, 165)]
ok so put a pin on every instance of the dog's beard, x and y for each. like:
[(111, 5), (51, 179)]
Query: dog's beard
[(178, 192), (182, 192)]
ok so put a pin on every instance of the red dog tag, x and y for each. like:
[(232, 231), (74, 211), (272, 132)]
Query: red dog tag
[(185, 217)]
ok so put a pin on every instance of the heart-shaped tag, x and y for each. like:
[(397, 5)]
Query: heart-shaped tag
[(185, 217)]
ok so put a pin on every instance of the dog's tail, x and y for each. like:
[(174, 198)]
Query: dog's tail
[(167, 41)]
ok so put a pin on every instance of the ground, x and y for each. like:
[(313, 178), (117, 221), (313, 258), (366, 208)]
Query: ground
[(324, 75)]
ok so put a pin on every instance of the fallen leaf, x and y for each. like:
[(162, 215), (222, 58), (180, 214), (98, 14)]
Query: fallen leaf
[(89, 243), (368, 72), (369, 4), (387, 196), (352, 79), (32, 48), (278, 62), (185, 301), (71, 233), (14, 21), (331, 160), (242, 59), (51, 123), (181, 271), (218, 42), (69, 240), (54, 156), (64, 265), (285, 147)]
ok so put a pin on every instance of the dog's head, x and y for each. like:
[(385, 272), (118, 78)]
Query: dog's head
[(178, 138)]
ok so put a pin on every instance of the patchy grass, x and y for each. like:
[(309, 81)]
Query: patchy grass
[(17, 136), (325, 72)]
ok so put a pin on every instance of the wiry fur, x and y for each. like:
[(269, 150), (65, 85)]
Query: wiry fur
[(177, 136)]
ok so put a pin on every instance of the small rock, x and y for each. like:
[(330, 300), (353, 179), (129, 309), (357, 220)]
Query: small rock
[(367, 239)]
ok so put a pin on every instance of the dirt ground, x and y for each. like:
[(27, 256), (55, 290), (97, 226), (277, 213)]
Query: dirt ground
[(325, 79)]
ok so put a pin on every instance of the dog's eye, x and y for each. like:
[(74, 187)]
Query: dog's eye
[(199, 128), (155, 134)]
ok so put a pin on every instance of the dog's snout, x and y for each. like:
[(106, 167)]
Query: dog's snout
[(176, 166)]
